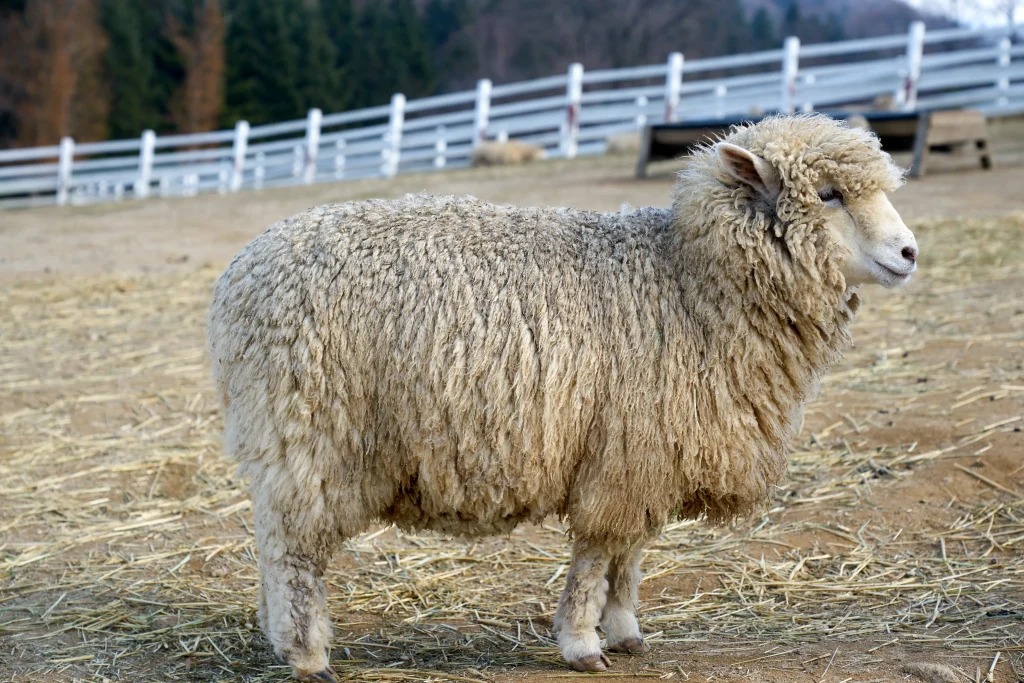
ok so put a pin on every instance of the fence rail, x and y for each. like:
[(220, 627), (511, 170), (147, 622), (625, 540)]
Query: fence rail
[(569, 114)]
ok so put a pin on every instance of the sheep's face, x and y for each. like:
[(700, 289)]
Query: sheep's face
[(876, 247)]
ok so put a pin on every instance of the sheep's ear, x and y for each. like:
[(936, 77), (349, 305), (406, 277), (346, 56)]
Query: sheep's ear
[(750, 169)]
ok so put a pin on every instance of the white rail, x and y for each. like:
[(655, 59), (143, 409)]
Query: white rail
[(569, 114)]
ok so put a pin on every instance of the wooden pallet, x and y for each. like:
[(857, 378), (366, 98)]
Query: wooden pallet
[(671, 140), (946, 131)]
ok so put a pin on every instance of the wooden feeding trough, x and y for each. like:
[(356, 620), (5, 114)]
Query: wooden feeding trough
[(920, 132), (946, 131)]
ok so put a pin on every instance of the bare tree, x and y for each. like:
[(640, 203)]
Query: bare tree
[(965, 10), (51, 57), (1008, 8), (528, 38), (197, 105)]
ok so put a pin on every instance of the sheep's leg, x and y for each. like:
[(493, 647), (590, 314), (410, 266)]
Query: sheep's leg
[(618, 621), (579, 609), (293, 599)]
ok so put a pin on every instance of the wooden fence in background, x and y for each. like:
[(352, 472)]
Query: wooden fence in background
[(569, 114)]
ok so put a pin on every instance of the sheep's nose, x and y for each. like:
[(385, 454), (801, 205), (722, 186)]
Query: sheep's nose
[(910, 253)]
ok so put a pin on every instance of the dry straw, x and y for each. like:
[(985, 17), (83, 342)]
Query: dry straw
[(126, 547)]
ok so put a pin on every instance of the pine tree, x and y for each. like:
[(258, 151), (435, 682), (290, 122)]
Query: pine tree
[(129, 70), (142, 68), (320, 81), (375, 57), (169, 69), (197, 105), (833, 29), (792, 20), (444, 18), (762, 31), (811, 28), (446, 23), (734, 30), (339, 20), (417, 73), (262, 63)]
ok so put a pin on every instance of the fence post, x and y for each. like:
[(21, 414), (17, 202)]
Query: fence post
[(1003, 60), (393, 138), (673, 86), (145, 164), (790, 66), (721, 91), (915, 49), (441, 147), (260, 171), (66, 159), (238, 149), (482, 110), (574, 97), (808, 105), (641, 115), (339, 158), (313, 119)]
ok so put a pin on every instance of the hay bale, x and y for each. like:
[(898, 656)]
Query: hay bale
[(509, 153), (623, 143)]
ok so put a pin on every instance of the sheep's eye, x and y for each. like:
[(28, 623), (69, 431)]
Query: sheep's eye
[(830, 196)]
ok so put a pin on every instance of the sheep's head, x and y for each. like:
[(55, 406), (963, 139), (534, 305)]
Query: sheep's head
[(827, 183)]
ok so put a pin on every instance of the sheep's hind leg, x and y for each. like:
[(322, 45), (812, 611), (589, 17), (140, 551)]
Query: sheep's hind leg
[(618, 621), (293, 598), (579, 609)]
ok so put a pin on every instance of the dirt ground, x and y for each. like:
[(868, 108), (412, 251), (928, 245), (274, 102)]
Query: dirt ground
[(125, 541)]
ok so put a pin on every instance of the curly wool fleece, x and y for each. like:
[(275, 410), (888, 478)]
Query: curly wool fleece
[(445, 363)]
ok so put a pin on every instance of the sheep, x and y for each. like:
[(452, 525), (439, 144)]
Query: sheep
[(856, 120), (884, 102), (447, 364), (623, 143), (506, 153)]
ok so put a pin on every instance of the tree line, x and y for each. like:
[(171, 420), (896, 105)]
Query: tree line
[(99, 69)]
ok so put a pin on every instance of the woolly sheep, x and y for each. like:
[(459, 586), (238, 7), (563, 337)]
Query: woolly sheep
[(623, 143), (858, 121), (506, 153), (443, 363)]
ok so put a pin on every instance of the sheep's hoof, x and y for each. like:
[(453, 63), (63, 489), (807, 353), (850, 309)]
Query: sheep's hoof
[(595, 662), (325, 676), (631, 646)]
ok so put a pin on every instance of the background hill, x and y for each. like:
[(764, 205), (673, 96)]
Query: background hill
[(111, 68)]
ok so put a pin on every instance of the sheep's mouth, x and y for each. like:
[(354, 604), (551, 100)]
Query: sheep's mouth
[(890, 277)]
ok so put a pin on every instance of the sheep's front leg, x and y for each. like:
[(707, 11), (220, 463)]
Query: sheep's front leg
[(293, 599), (618, 621), (579, 609)]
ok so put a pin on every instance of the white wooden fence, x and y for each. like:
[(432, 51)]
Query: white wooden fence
[(569, 114)]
